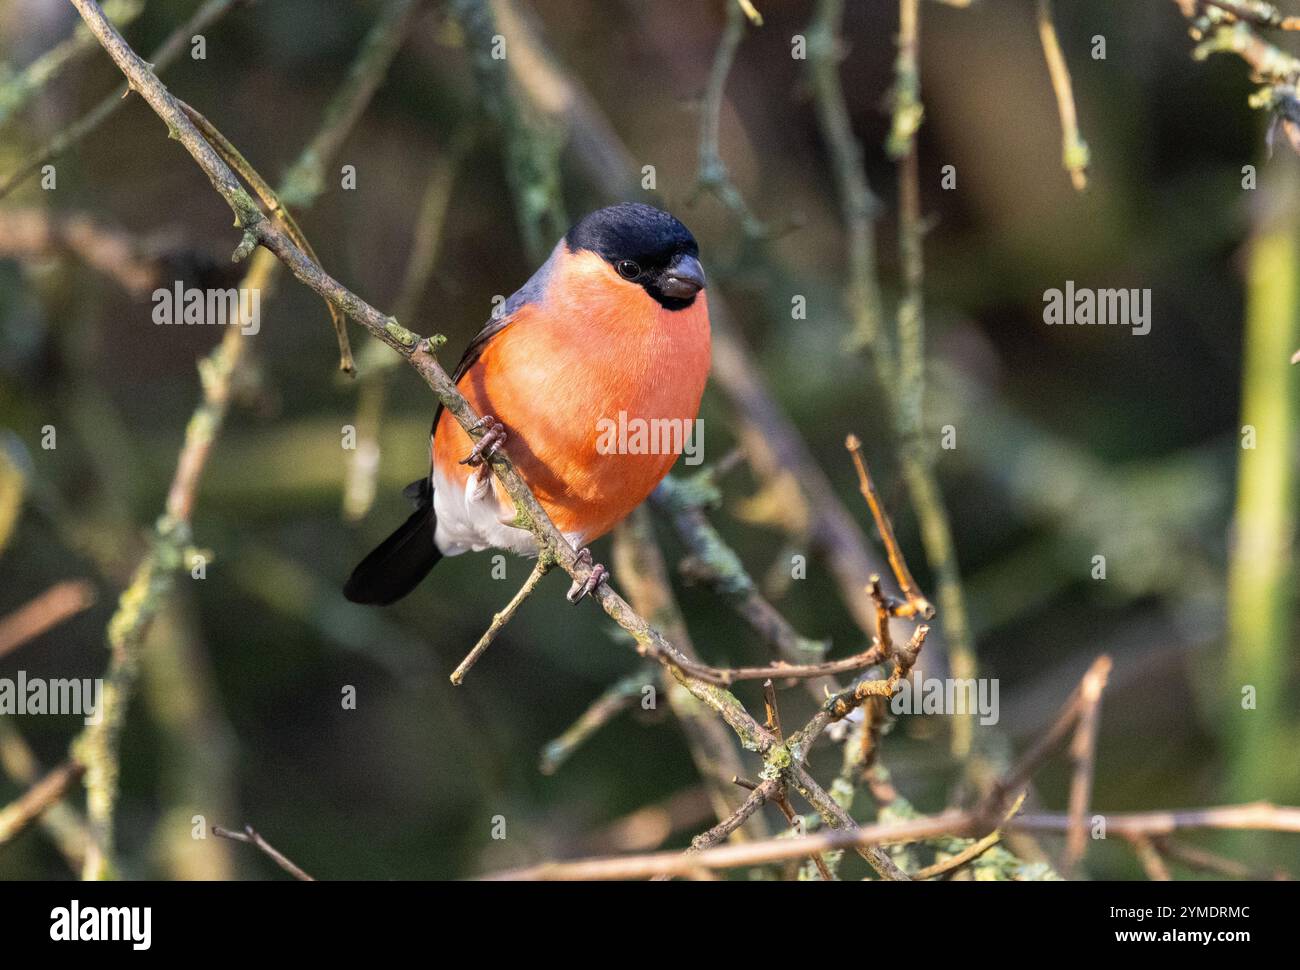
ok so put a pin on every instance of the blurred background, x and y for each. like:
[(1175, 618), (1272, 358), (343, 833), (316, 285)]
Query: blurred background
[(1071, 442)]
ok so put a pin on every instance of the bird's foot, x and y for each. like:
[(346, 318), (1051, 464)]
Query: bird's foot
[(599, 574), (494, 436)]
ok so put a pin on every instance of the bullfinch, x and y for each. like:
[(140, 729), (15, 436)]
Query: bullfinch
[(612, 330)]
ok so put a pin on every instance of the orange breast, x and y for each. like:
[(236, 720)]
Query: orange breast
[(594, 384)]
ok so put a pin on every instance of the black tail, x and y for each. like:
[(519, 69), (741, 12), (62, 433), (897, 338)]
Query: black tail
[(397, 564)]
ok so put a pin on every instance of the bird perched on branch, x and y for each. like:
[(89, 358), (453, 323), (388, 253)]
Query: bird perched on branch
[(612, 330)]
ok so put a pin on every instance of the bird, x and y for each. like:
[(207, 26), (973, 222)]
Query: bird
[(611, 331)]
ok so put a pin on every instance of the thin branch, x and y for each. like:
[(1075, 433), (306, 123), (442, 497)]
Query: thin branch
[(751, 12), (756, 800), (917, 604), (744, 854), (235, 159), (839, 706), (952, 823), (616, 699), (796, 831), (1256, 816), (58, 603), (1256, 12), (712, 175), (1150, 859), (17, 90), (37, 234), (1195, 857), (783, 671), (250, 837), (640, 564), (858, 204), (713, 562), (161, 59), (65, 825), (971, 852), (772, 711), (837, 817), (501, 619), (908, 113), (16, 816), (1074, 150), (1083, 753), (1086, 694)]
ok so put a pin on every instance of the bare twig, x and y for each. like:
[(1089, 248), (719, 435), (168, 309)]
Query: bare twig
[(161, 59), (1257, 816), (917, 604), (15, 817), (744, 854), (1074, 150), (713, 176), (640, 565), (1088, 693), (1256, 12), (235, 159), (908, 112), (952, 823), (858, 204), (17, 90), (756, 800), (31, 234), (783, 671), (1149, 858), (839, 706), (773, 712), (250, 837), (56, 604), (713, 562), (971, 852), (501, 619), (751, 12), (1195, 857), (616, 699), (1083, 753), (796, 831)]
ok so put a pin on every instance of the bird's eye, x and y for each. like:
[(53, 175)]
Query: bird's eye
[(628, 269)]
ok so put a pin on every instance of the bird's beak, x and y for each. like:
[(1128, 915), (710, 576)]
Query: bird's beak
[(683, 279)]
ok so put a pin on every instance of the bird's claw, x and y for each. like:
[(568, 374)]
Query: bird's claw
[(580, 589), (493, 438)]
